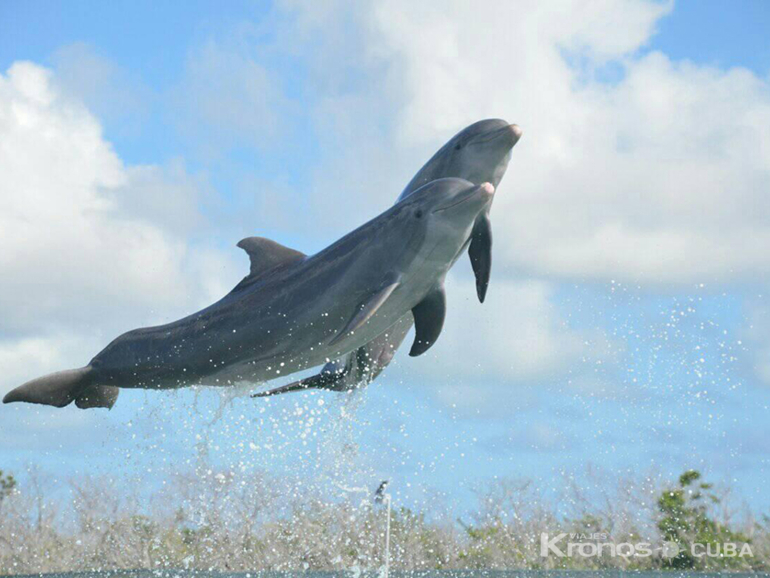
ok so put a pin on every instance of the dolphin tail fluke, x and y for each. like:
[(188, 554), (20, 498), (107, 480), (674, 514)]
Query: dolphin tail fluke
[(332, 378), (97, 396), (301, 385), (56, 389)]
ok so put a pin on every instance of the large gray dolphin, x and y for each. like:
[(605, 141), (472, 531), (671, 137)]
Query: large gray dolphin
[(293, 312), (479, 153)]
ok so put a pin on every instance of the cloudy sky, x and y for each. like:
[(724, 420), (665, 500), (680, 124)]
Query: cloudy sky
[(627, 323)]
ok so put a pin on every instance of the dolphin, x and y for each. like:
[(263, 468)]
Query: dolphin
[(479, 153), (293, 311)]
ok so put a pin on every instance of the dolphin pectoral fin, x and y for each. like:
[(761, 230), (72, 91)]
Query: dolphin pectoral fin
[(480, 253), (97, 396), (429, 317), (266, 254), (367, 309)]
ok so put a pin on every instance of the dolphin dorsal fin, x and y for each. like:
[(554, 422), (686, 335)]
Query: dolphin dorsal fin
[(266, 254)]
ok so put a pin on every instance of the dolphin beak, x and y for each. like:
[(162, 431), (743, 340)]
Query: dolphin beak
[(510, 135), (484, 191), (487, 189)]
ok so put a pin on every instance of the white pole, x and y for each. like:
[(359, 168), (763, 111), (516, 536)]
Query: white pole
[(387, 539)]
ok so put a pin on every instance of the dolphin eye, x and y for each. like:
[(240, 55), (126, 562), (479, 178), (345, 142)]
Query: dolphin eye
[(458, 146), (418, 213)]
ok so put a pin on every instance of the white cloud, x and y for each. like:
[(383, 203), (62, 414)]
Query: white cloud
[(26, 357), (116, 97), (516, 334), (491, 357), (227, 98), (657, 178), (663, 185), (89, 245)]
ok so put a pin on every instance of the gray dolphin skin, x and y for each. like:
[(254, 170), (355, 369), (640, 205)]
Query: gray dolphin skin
[(292, 311), (479, 153)]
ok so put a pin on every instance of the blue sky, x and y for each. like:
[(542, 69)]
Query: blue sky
[(625, 326)]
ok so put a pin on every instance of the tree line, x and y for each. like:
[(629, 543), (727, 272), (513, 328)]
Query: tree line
[(227, 520)]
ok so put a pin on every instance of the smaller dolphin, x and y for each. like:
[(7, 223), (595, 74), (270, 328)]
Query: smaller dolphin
[(479, 153), (292, 311)]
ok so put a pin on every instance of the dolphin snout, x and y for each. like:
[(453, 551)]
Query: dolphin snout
[(507, 135), (484, 192)]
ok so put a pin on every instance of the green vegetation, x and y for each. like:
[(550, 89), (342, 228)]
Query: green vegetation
[(685, 521), (7, 484), (212, 520)]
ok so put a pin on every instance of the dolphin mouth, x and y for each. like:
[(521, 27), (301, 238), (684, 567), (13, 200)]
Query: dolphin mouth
[(512, 133), (486, 189)]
